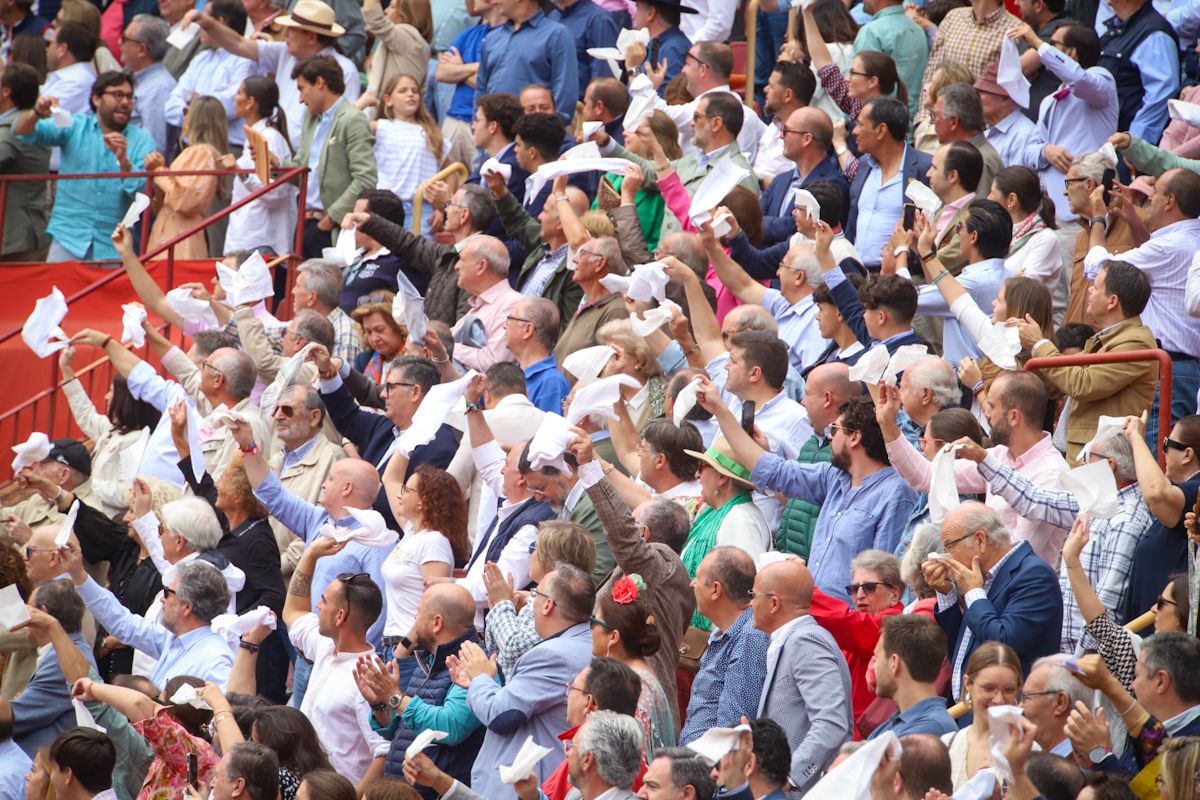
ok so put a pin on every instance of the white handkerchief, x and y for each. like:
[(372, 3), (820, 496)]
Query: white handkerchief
[(188, 696), (590, 128), (716, 742), (943, 489), (84, 718), (685, 401), (132, 317), (41, 331), (63, 537), (34, 449), (492, 165), (527, 758), (999, 720), (851, 780), (599, 398), (432, 412), (654, 318), (625, 38), (804, 198), (547, 172), (243, 624), (13, 611), (871, 367), (922, 197), (617, 284), (583, 150), (639, 108), (547, 446), (1009, 74), (1108, 154), (194, 310), (902, 359), (140, 203), (1094, 487), (981, 787), (1184, 111), (372, 531), (223, 417), (769, 557), (248, 283), (587, 364), (408, 309), (195, 443), (287, 375), (1106, 427), (720, 181), (423, 740), (62, 117), (182, 37), (648, 282), (1001, 344)]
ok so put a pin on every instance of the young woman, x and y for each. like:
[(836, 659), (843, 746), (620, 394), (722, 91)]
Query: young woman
[(289, 733), (824, 35), (409, 146), (992, 678), (270, 221), (1034, 252), (325, 784)]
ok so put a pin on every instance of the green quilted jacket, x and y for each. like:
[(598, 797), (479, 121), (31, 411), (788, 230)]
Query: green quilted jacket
[(800, 516)]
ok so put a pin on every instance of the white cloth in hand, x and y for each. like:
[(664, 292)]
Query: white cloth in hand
[(239, 625), (599, 398), (851, 780), (63, 537), (437, 405), (133, 315), (1000, 718), (84, 718), (549, 443), (1106, 428), (527, 758), (248, 283), (654, 318), (34, 449), (587, 364), (492, 165), (722, 178), (648, 282), (685, 401), (423, 740), (192, 309), (41, 331), (1001, 343), (1094, 487), (408, 309), (943, 489), (716, 742), (372, 531), (188, 696)]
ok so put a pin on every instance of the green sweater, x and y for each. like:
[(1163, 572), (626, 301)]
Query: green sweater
[(800, 516)]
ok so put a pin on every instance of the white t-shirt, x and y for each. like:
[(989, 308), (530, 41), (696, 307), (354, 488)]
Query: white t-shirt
[(403, 580)]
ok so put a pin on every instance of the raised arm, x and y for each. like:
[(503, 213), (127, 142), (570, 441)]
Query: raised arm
[(148, 291), (818, 51), (123, 360), (577, 235), (226, 38), (704, 322), (1163, 498), (729, 272), (299, 596)]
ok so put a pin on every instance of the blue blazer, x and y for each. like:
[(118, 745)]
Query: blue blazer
[(1023, 609), (43, 710), (762, 264), (846, 298), (916, 165), (778, 224)]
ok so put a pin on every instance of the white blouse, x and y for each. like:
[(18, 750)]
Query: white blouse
[(269, 221), (403, 158), (1041, 259)]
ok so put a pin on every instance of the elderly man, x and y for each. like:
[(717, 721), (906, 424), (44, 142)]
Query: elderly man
[(530, 333), (594, 260), (605, 756), (992, 590), (528, 705), (68, 467), (483, 274), (143, 47), (926, 388), (1049, 695), (807, 687), (318, 287), (306, 326)]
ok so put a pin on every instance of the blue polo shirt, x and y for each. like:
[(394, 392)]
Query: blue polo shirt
[(928, 716), (546, 386), (469, 45)]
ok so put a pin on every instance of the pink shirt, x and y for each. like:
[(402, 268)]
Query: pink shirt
[(949, 210), (492, 308), (1041, 464)]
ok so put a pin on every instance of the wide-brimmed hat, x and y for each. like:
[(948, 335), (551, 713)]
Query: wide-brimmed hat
[(719, 456), (675, 4), (987, 81), (312, 15)]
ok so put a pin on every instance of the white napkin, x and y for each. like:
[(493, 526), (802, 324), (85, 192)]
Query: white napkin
[(62, 117), (140, 203), (132, 317), (1106, 427), (1009, 74), (769, 557), (685, 401), (34, 449), (902, 359), (943, 488), (639, 108), (722, 224), (192, 309), (590, 128), (248, 283), (581, 150), (346, 247), (527, 758), (408, 309), (871, 367), (625, 38), (804, 198), (1108, 154), (223, 417), (188, 696), (84, 718), (287, 375), (1184, 111), (599, 398), (195, 443), (13, 611), (922, 197), (587, 364), (41, 331), (617, 284), (373, 532), (716, 742), (63, 537), (851, 780), (423, 740), (181, 38), (547, 172), (492, 165), (550, 442), (648, 282), (981, 787), (240, 625), (432, 412), (999, 720), (720, 181), (1001, 344), (1094, 487), (654, 318)]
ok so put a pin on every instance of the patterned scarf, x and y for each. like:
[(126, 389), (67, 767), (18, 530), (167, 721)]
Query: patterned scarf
[(1024, 230), (374, 369)]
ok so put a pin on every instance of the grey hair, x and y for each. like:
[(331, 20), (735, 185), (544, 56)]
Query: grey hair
[(926, 539), (978, 517), (311, 397), (543, 313), (884, 564), (1091, 166), (850, 748), (194, 520), (479, 203), (962, 100), (1118, 449), (688, 768), (1176, 654), (755, 318), (203, 586), (322, 278), (616, 742), (668, 522), (608, 248), (238, 370), (935, 374), (689, 248), (313, 326), (493, 251), (152, 32), (807, 263), (1060, 679)]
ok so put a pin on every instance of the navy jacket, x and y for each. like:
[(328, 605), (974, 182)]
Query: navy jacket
[(672, 46), (763, 264), (916, 165), (43, 709), (846, 297), (778, 224)]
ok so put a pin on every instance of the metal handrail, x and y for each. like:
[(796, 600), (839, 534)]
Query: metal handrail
[(446, 172), (1165, 373)]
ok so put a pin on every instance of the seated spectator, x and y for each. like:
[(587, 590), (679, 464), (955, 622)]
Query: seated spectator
[(592, 261), (483, 275), (926, 388), (1050, 694), (143, 45), (908, 660), (960, 119), (678, 769), (880, 311), (992, 676), (531, 330), (383, 338), (82, 762), (1034, 252), (375, 268)]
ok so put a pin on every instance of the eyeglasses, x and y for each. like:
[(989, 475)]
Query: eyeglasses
[(375, 297), (1074, 180), (834, 426), (698, 61), (789, 267), (119, 95), (1162, 601), (1004, 691), (756, 595), (855, 72), (867, 586), (1173, 444), (570, 687), (405, 489), (286, 410), (207, 365), (168, 592), (518, 319), (388, 388), (29, 550), (1027, 695), (535, 593), (924, 442), (602, 624), (798, 132), (947, 545)]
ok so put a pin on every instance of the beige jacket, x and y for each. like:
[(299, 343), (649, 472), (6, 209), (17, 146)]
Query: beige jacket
[(401, 50)]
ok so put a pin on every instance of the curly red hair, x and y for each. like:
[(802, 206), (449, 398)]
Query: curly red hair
[(445, 508)]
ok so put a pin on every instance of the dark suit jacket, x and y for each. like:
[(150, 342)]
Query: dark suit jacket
[(778, 224), (1023, 609), (916, 164), (43, 710), (846, 297), (762, 264)]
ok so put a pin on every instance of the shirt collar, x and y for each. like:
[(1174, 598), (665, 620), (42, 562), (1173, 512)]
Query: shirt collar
[(1181, 720), (532, 22), (459, 245), (303, 449), (490, 295), (961, 202), (383, 251), (328, 113), (990, 18), (1035, 453), (781, 633), (1006, 123), (538, 367)]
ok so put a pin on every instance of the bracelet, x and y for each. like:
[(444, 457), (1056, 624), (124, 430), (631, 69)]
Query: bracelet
[(445, 360), (216, 720), (693, 349), (977, 388), (1132, 706), (253, 448), (945, 273), (106, 342), (927, 256), (253, 648), (1094, 220)]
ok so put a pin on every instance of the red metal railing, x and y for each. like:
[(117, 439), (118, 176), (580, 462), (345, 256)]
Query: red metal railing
[(1164, 379)]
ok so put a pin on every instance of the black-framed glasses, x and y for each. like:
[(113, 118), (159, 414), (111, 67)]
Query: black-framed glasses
[(947, 545), (1027, 695), (1173, 444), (859, 74), (169, 592), (511, 318), (29, 550), (206, 365), (755, 595), (390, 386), (1074, 180), (867, 586), (697, 60), (601, 623), (119, 95), (535, 593), (405, 489), (835, 426), (1162, 601), (797, 131)]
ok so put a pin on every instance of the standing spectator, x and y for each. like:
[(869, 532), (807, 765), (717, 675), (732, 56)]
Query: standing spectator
[(908, 657), (1008, 128), (668, 43), (86, 211), (348, 16), (958, 117), (459, 65), (1041, 18), (214, 72), (806, 135), (483, 274), (891, 32), (409, 148), (17, 19), (25, 214), (590, 26), (493, 128), (177, 59), (969, 36), (143, 47), (402, 32), (1141, 50), (530, 48), (69, 59), (991, 677)]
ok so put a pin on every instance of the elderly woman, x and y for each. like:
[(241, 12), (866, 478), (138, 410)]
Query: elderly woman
[(383, 338)]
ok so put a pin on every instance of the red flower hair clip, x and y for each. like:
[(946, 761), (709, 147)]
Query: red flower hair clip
[(628, 588)]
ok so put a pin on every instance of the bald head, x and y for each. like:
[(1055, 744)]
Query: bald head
[(789, 579), (362, 475), (453, 603), (835, 379), (814, 121)]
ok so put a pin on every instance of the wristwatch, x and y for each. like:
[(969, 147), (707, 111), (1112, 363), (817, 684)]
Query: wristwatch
[(405, 642), (395, 700), (1097, 754)]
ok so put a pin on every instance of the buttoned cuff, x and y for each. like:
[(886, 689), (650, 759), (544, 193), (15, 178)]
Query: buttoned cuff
[(973, 596), (590, 473), (329, 386), (948, 600)]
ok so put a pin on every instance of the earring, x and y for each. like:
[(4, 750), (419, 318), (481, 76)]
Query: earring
[(967, 697)]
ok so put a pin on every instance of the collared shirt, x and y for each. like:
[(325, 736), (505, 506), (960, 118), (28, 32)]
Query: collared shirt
[(535, 284), (293, 457), (591, 26), (1165, 258), (797, 327), (747, 139), (880, 204), (730, 679), (274, 59), (71, 86), (271, 219), (1156, 58), (545, 385), (982, 280), (949, 210), (469, 44), (963, 40), (853, 518), (925, 716), (770, 162), (14, 764), (152, 86), (892, 33), (1181, 720), (491, 308), (1011, 135), (312, 198), (540, 51), (216, 73), (780, 635)]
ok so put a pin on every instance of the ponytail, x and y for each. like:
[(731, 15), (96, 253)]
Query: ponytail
[(883, 68), (1024, 183), (265, 92), (1046, 210)]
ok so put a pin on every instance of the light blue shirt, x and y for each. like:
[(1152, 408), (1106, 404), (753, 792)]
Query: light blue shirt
[(14, 765), (291, 457), (982, 280), (879, 206), (312, 199), (305, 520), (199, 652), (216, 73), (1157, 58), (152, 87), (541, 52), (1010, 135)]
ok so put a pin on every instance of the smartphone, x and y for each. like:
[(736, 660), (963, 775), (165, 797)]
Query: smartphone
[(748, 418), (193, 776), (910, 216), (1107, 180)]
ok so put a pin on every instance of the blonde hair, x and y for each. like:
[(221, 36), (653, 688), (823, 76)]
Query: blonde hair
[(1181, 766), (161, 493), (949, 72), (418, 14), (383, 307), (206, 123), (993, 654), (41, 760), (598, 223), (562, 542), (620, 332), (422, 117), (83, 12)]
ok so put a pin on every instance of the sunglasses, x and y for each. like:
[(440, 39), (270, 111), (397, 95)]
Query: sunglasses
[(287, 411), (1162, 601), (351, 577), (168, 592), (867, 586), (1173, 444)]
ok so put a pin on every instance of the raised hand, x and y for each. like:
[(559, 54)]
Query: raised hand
[(499, 587), (139, 498), (1076, 541)]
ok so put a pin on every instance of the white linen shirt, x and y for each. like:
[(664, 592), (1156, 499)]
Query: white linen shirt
[(270, 220), (216, 73)]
